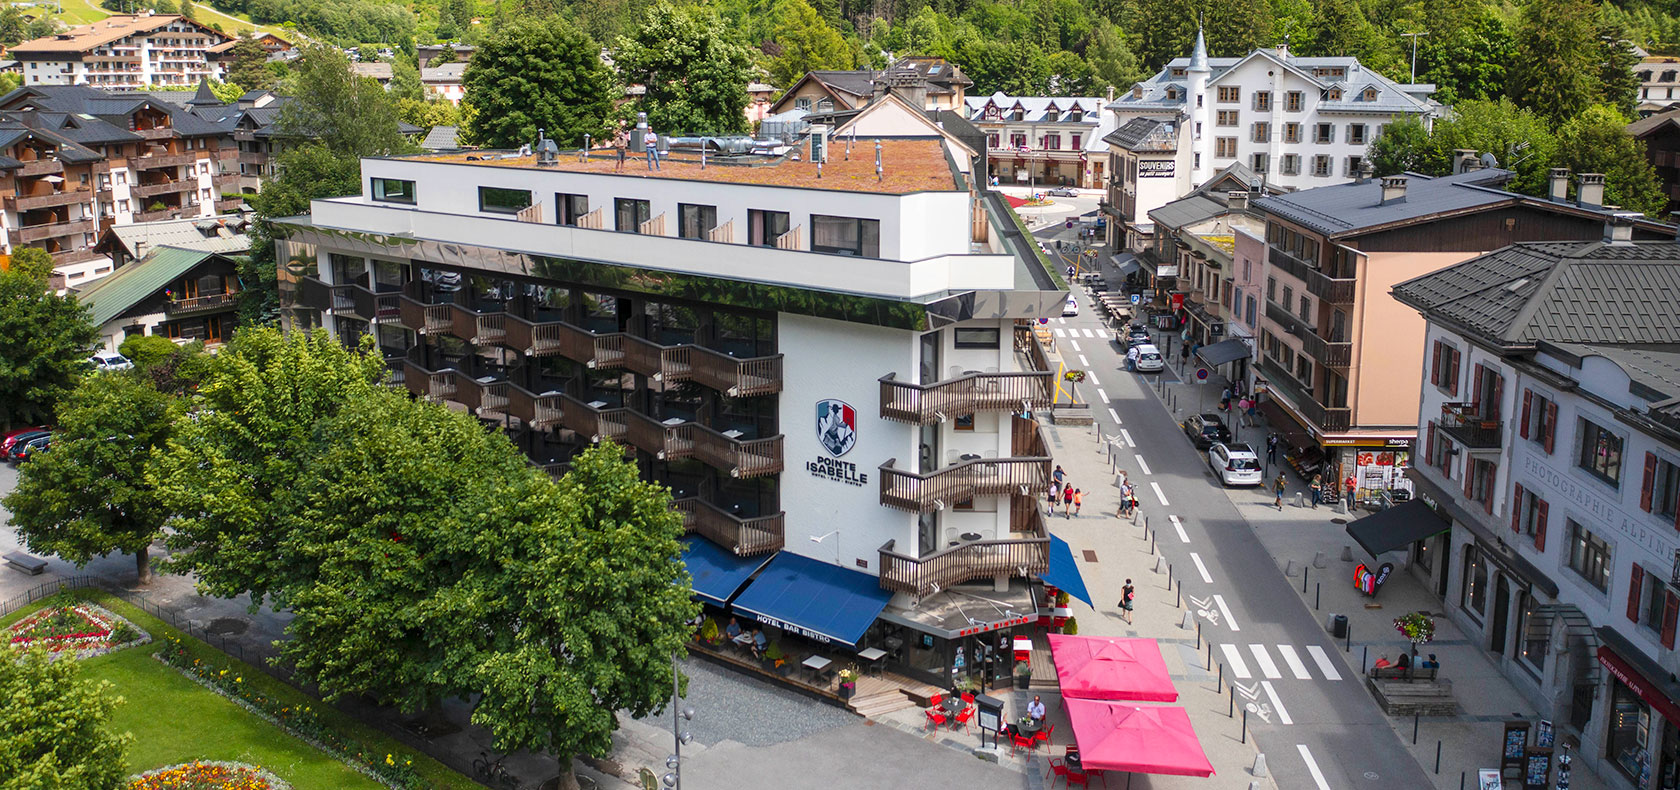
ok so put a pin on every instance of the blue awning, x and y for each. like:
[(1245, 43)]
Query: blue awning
[(717, 573), (1064, 572), (814, 599)]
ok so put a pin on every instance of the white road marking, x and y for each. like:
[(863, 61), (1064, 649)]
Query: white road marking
[(1282, 714), (1093, 378), (1323, 662), (1264, 659), (1248, 691), (1125, 434), (1161, 495), (1293, 659), (1238, 667), (1061, 320), (1225, 610), (1182, 537), (1116, 416), (1102, 395), (1075, 345), (1312, 766), (1197, 558), (1060, 332), (1141, 464), (1082, 362), (1092, 333)]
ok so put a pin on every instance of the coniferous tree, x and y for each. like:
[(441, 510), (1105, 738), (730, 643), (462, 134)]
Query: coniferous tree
[(538, 74)]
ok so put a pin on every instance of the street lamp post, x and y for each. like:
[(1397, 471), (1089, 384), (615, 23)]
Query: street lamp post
[(1414, 37), (679, 736)]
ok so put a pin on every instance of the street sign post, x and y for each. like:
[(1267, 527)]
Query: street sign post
[(1137, 298)]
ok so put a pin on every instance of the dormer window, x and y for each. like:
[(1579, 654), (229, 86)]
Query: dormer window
[(993, 112), (1076, 115), (1052, 115), (1178, 72), (1370, 94), (1018, 115), (1334, 94), (1137, 91), (1172, 94)]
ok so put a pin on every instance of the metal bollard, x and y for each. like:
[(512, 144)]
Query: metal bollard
[(1415, 716), (1364, 658), (1347, 645), (1306, 570), (1318, 590), (1169, 576), (1221, 683), (1245, 726), (1437, 758), (1231, 709)]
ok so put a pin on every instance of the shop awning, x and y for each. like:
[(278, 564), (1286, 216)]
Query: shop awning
[(814, 599), (1489, 540), (1224, 351), (1063, 573), (1634, 670), (717, 573), (1127, 266), (1397, 527), (1104, 667), (1120, 736)]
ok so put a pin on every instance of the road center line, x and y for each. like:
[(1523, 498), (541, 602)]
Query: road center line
[(1082, 362), (1116, 416), (1235, 659), (1277, 704), (1161, 495), (1323, 661), (1312, 766), (1225, 610), (1075, 344), (1093, 378), (1182, 537), (1200, 568), (1141, 464), (1102, 395), (1125, 433)]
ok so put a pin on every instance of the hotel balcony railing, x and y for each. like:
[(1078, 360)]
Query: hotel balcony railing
[(924, 404), (1326, 418), (1468, 425), (41, 167), (51, 230), (165, 188), (537, 411), (231, 204), (253, 158), (1331, 289), (163, 213), (75, 256), (67, 197), (743, 536), (677, 439), (964, 562), (161, 133), (199, 303), (479, 396), (154, 161), (962, 481), (350, 300)]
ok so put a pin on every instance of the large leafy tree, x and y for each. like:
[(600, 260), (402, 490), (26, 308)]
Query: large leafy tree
[(1403, 146), (1557, 60), (1466, 52), (805, 42), (695, 73), (90, 496), (46, 344), (306, 172), (348, 115), (55, 731), (1596, 142), (1520, 139), (538, 74), (1113, 61)]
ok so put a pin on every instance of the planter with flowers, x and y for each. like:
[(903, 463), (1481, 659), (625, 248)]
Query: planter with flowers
[(207, 775), (1418, 628), (75, 630), (848, 682)]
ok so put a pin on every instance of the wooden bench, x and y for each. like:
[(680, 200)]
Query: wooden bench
[(1402, 673), (34, 566)]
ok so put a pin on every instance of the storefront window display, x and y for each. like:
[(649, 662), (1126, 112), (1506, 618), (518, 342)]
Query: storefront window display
[(1629, 733), (958, 638)]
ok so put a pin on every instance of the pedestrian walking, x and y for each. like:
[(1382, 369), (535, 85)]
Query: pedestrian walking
[(1347, 489), (1059, 475), (621, 145), (1279, 485), (1317, 487), (1126, 594), (1078, 500), (1225, 399), (1271, 448), (1067, 499), (650, 142), (1055, 494), (1253, 404), (1242, 409)]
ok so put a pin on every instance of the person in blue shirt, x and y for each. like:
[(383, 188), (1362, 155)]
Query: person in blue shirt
[(760, 642), (733, 629)]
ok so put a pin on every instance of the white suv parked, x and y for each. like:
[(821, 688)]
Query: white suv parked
[(1236, 464), (109, 360)]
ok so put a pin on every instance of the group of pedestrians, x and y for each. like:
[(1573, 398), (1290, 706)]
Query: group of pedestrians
[(1063, 492)]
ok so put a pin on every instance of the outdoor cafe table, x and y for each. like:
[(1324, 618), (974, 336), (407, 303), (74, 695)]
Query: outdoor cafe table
[(816, 664)]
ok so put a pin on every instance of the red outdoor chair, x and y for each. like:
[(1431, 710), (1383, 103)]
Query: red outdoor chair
[(968, 697), (935, 716), (1020, 742), (936, 699), (963, 718), (1058, 768), (1043, 735)]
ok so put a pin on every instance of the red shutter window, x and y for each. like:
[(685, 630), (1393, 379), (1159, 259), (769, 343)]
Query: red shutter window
[(1435, 364), (1469, 480), (1551, 425), (1517, 509), (1540, 524), (1497, 408), (1476, 389), (1528, 397), (1647, 488), (1429, 444), (1488, 473), (1671, 608), (1635, 581)]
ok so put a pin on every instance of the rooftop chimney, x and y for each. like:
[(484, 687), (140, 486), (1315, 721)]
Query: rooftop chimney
[(1236, 201), (1589, 190), (1366, 170), (1618, 229), (1393, 190), (1558, 186), (1464, 159)]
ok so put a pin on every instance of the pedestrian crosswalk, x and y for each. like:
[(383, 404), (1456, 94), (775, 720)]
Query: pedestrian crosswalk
[(1077, 332), (1239, 658)]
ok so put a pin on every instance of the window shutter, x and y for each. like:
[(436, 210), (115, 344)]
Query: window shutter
[(1435, 364), (1497, 407), (1671, 608), (1429, 444), (1551, 425), (1469, 480), (1540, 509), (1487, 488), (1476, 390), (1647, 487), (1528, 399), (1516, 509), (1635, 581)]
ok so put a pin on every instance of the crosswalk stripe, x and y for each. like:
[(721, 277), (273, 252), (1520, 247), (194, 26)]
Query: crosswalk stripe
[(1324, 664), (1264, 659), (1091, 333), (1238, 667), (1294, 661), (1060, 332)]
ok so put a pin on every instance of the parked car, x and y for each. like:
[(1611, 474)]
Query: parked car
[(1136, 335), (10, 438), (1236, 464), (33, 448), (1064, 192), (1148, 359), (17, 442), (1205, 429), (1071, 307), (104, 361)]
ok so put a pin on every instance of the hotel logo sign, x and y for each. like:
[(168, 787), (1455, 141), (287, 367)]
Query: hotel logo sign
[(836, 426)]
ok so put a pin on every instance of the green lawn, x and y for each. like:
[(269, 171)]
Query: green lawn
[(83, 12), (175, 720)]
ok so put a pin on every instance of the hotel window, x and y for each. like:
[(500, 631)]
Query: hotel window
[(1017, 140), (1479, 477), (1225, 118), (1052, 142), (629, 214), (1324, 133), (1443, 367), (1263, 101), (1292, 101), (1271, 289), (1288, 296), (1292, 133), (1304, 370), (846, 236), (1473, 596), (1660, 493), (1356, 133), (1258, 162), (1229, 94), (977, 337), (1652, 599), (764, 227), (1353, 163), (570, 208), (1291, 165), (498, 200), (1600, 452), (992, 140), (1225, 147), (1589, 556), (1052, 115), (1262, 132), (1321, 165), (1074, 141), (1306, 308), (695, 221)]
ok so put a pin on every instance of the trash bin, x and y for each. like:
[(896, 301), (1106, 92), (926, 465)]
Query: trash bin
[(1337, 625)]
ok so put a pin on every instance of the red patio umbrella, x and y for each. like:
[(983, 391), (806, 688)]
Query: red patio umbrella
[(1120, 736), (1100, 667)]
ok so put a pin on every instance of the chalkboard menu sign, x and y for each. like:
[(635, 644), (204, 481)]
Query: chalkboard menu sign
[(1515, 747), (1537, 771)]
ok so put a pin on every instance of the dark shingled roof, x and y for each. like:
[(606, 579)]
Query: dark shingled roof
[(1343, 209), (1558, 292), (1133, 131)]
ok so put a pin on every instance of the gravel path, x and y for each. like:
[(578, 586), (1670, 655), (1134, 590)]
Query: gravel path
[(731, 707)]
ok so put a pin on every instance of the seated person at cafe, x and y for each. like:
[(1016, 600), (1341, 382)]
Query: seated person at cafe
[(1035, 709), (1382, 662), (733, 629), (1430, 662), (1404, 661), (760, 642)]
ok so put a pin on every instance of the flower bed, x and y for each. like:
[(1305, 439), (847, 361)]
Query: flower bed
[(207, 775), (392, 770), (80, 630)]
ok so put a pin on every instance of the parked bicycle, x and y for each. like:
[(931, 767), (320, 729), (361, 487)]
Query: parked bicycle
[(493, 772)]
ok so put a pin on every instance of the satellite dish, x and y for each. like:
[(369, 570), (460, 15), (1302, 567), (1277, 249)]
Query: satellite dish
[(1489, 160)]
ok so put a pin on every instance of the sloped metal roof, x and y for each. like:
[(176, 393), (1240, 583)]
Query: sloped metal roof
[(126, 287), (1346, 208)]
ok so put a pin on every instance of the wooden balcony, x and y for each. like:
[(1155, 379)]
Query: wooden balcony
[(744, 537), (199, 304), (714, 369), (41, 167), (538, 412), (165, 188), (964, 562), (75, 256), (230, 205), (162, 133), (67, 197), (925, 404), (155, 161), (963, 481), (479, 396), (256, 158), (1472, 426), (53, 230), (163, 213), (435, 386)]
